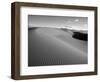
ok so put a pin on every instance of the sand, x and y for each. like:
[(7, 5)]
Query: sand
[(53, 46)]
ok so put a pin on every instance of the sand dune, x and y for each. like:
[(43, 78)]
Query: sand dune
[(53, 46)]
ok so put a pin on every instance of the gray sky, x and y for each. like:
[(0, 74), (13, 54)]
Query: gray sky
[(57, 21)]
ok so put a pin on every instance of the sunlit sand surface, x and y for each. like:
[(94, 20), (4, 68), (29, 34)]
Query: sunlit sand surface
[(54, 46)]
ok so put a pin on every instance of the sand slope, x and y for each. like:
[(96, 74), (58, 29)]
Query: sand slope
[(53, 46)]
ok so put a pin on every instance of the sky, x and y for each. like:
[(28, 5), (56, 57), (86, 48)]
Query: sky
[(57, 21)]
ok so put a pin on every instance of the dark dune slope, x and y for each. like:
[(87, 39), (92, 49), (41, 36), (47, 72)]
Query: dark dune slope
[(80, 36), (53, 46)]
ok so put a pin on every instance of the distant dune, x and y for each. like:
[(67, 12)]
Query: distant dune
[(53, 46), (80, 36)]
